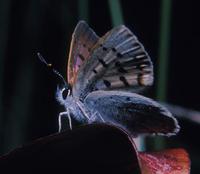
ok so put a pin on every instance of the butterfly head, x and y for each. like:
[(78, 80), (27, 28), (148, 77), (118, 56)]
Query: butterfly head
[(66, 91), (63, 93)]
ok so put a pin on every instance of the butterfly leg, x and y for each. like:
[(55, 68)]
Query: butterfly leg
[(101, 118), (83, 111), (92, 118), (60, 117), (95, 116)]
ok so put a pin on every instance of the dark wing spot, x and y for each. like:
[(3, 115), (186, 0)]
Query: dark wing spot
[(117, 64), (107, 83), (102, 62), (128, 99), (114, 50), (94, 70), (81, 56), (120, 68), (119, 55), (123, 79), (95, 88), (105, 49)]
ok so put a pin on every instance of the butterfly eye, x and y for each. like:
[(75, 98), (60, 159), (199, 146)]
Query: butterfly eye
[(65, 93)]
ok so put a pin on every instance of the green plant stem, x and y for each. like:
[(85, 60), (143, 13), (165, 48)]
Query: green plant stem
[(116, 12), (163, 57), (163, 52), (83, 10)]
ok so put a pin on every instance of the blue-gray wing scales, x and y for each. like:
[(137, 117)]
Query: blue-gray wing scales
[(133, 112), (118, 61)]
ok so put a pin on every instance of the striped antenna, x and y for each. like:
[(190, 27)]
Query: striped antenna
[(49, 65)]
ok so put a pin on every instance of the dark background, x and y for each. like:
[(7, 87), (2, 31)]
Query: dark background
[(28, 109)]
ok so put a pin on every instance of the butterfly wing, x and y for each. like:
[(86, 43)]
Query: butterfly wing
[(118, 62), (83, 39), (135, 113)]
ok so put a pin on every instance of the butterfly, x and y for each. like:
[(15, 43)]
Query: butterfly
[(104, 75)]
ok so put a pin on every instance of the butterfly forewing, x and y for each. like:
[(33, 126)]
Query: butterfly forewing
[(135, 113), (118, 61), (83, 39)]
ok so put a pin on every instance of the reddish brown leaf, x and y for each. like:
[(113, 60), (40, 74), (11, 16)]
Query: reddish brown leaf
[(172, 161), (92, 149)]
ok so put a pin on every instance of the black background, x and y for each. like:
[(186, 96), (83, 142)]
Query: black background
[(28, 106)]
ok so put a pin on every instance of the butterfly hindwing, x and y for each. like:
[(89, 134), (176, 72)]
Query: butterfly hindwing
[(118, 61), (83, 39), (135, 113)]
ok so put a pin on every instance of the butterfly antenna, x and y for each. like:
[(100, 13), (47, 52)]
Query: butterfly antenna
[(49, 65)]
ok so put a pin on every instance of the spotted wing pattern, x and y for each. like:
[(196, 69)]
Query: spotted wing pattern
[(83, 39), (133, 112), (117, 62)]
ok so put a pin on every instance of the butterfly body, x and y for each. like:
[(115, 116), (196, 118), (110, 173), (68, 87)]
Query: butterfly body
[(75, 107), (104, 75)]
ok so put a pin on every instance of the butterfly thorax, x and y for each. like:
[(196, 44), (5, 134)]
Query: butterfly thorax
[(75, 106)]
